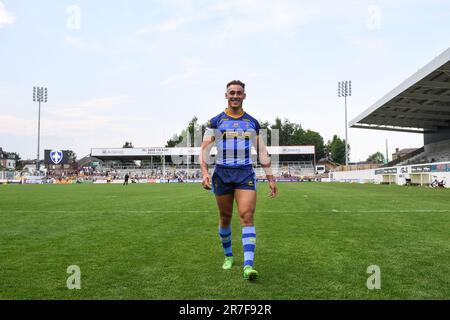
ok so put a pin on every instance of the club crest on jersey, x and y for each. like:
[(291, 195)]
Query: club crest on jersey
[(56, 156)]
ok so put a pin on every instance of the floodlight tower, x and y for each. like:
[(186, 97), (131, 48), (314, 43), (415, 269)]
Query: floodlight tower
[(39, 95), (345, 90)]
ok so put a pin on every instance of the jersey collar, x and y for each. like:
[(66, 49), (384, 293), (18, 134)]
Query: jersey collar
[(233, 116)]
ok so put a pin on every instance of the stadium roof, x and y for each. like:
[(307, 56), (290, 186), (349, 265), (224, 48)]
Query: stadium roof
[(419, 104)]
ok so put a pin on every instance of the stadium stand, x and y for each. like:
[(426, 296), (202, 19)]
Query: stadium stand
[(182, 162), (420, 104)]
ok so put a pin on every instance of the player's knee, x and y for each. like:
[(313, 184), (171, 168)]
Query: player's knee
[(247, 218), (225, 218)]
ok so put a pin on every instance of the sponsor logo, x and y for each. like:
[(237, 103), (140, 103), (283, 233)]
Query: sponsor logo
[(236, 134)]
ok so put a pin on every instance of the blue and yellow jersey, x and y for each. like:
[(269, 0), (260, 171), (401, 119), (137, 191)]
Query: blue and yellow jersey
[(234, 137)]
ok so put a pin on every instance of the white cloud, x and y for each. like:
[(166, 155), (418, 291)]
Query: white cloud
[(89, 108), (243, 17), (6, 17), (182, 5), (165, 26), (17, 126), (71, 120), (373, 51), (191, 68), (106, 102), (248, 16), (82, 125), (81, 44)]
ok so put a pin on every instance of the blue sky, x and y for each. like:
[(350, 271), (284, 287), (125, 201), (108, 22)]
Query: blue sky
[(138, 71)]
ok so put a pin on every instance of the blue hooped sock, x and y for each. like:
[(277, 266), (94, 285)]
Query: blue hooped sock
[(249, 241), (225, 237)]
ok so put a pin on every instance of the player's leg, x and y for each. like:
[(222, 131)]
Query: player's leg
[(225, 206), (246, 204), (224, 198)]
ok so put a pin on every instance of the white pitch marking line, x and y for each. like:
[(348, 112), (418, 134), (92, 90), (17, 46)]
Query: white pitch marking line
[(214, 210)]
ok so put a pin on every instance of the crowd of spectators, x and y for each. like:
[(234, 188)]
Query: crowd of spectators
[(93, 174)]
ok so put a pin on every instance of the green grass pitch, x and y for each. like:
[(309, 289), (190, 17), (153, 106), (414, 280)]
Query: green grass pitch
[(315, 241)]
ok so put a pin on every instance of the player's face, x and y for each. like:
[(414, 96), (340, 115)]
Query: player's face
[(235, 95)]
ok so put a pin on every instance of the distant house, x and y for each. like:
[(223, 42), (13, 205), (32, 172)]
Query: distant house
[(401, 153), (8, 160), (324, 166)]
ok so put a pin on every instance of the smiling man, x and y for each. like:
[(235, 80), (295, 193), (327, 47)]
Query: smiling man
[(235, 132)]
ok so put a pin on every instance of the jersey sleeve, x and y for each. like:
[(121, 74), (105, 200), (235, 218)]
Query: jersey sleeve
[(211, 126), (212, 123), (257, 126)]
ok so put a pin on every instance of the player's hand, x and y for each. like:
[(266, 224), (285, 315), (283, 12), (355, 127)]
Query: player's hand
[(273, 189), (206, 182)]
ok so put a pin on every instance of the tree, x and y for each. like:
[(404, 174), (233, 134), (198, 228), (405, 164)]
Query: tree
[(195, 131), (377, 157), (335, 149), (288, 131), (19, 162), (265, 125), (72, 156), (176, 139), (314, 138), (128, 144), (291, 133), (72, 159)]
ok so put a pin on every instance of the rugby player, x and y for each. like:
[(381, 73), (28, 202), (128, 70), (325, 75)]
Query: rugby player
[(234, 132)]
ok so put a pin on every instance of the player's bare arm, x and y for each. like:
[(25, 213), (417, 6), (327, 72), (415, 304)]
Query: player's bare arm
[(205, 150), (264, 159)]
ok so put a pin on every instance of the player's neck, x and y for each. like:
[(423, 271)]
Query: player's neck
[(234, 112)]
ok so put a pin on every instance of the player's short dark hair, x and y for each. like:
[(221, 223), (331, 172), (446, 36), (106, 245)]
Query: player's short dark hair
[(238, 82)]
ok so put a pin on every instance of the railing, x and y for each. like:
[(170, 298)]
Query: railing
[(299, 168), (8, 175), (356, 167)]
